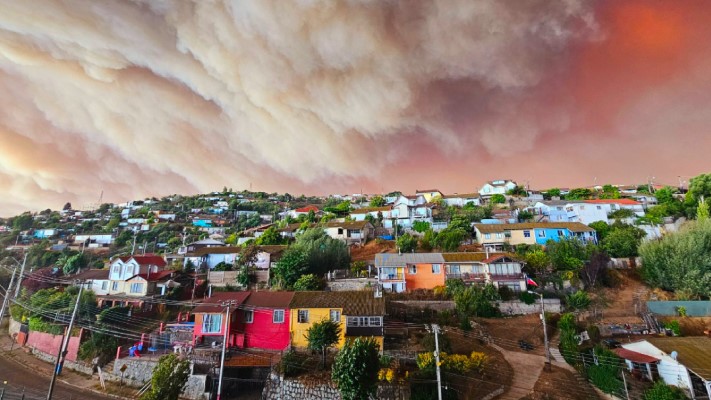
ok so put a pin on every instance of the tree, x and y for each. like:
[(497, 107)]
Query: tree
[(269, 237), (518, 191), (700, 186), (450, 238), (245, 263), (476, 301), (407, 243), (550, 193), (498, 199), (567, 254), (595, 268), (308, 282), (74, 263), (609, 192), (524, 216), (578, 300), (22, 222), (538, 260), (680, 261), (323, 252), (623, 241), (67, 206), (169, 378), (579, 194), (702, 211), (290, 267), (420, 226), (601, 229), (377, 201), (355, 370), (322, 335)]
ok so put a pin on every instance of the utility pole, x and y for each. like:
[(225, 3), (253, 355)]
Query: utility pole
[(133, 248), (65, 341), (7, 294), (624, 382), (224, 348), (545, 333), (19, 279), (435, 330)]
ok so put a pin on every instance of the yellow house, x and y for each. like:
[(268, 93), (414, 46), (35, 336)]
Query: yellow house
[(359, 313)]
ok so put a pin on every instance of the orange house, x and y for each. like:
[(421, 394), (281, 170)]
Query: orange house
[(410, 271)]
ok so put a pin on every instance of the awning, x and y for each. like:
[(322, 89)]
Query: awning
[(634, 356)]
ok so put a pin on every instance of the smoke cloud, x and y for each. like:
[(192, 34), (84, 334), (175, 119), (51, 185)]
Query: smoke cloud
[(152, 97)]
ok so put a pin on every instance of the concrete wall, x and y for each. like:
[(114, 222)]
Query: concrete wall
[(670, 308), (517, 307), (140, 371), (47, 343), (350, 284)]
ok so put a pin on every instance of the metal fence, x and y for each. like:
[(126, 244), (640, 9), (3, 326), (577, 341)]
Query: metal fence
[(673, 308)]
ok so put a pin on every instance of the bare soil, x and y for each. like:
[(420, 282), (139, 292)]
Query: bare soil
[(506, 332), (368, 251), (560, 384)]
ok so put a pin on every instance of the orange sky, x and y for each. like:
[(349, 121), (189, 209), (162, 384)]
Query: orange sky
[(138, 100)]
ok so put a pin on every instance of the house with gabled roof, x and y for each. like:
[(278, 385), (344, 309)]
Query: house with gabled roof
[(359, 313), (350, 231), (496, 235), (428, 194), (460, 200), (501, 186), (211, 319)]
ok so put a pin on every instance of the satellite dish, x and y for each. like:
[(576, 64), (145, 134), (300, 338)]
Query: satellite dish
[(674, 354)]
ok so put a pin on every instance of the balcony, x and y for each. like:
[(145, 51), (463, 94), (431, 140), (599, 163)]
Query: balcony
[(468, 277), (509, 277), (391, 277)]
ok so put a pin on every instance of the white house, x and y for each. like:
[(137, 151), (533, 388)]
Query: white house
[(94, 239), (408, 209), (361, 213), (428, 194), (350, 232), (585, 211), (460, 200), (497, 187), (684, 362)]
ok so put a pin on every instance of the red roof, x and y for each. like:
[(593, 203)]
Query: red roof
[(214, 303), (634, 356), (148, 259), (627, 202), (307, 209)]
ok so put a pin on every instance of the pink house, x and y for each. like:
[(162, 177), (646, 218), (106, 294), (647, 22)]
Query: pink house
[(210, 319), (264, 320)]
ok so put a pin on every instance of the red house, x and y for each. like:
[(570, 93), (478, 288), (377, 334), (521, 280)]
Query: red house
[(264, 320), (210, 319)]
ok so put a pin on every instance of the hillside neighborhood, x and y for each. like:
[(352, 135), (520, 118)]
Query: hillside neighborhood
[(504, 292)]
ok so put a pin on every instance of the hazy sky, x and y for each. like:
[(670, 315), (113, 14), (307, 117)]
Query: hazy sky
[(154, 97)]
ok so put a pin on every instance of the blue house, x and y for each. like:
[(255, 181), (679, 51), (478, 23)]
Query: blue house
[(498, 235), (202, 222)]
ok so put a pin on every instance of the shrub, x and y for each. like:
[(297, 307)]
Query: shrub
[(578, 300), (605, 373), (662, 391), (673, 326), (528, 298), (506, 293), (681, 310)]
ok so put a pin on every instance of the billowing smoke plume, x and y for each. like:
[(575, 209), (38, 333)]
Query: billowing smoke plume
[(154, 97)]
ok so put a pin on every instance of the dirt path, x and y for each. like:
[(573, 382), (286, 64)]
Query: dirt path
[(527, 368)]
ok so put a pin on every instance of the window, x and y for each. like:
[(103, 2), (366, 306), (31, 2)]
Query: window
[(412, 269), (340, 231), (364, 321), (212, 323), (248, 316), (527, 234), (436, 268), (499, 235), (599, 207), (303, 316), (335, 315), (487, 236), (582, 207), (114, 285), (278, 317), (136, 288), (104, 285), (561, 232), (541, 234)]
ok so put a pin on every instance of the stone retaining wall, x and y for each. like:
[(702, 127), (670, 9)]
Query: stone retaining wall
[(139, 371), (277, 388)]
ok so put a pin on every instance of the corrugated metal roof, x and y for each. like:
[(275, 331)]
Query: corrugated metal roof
[(399, 260), (353, 303), (269, 299), (634, 356), (571, 226), (468, 257), (214, 303), (693, 352)]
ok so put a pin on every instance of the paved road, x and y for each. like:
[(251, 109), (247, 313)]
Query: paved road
[(15, 378)]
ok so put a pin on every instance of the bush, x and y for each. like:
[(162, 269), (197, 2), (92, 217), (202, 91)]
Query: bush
[(309, 282), (292, 364), (407, 243), (505, 293), (578, 300), (662, 391), (673, 326), (36, 324), (528, 298), (605, 373), (445, 345)]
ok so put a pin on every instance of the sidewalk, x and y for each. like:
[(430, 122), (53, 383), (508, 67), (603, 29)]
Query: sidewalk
[(26, 360)]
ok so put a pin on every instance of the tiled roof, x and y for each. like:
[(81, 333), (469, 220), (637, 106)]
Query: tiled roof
[(271, 249), (503, 182), (267, 299), (214, 304), (626, 202), (400, 260), (307, 209), (295, 227), (353, 303), (693, 352), (427, 191), (571, 226), (92, 274), (370, 209), (469, 257)]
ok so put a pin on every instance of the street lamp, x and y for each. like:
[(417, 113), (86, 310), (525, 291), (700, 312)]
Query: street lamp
[(545, 330)]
